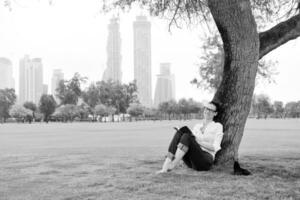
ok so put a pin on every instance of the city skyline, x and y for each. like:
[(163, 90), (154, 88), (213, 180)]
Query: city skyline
[(77, 43)]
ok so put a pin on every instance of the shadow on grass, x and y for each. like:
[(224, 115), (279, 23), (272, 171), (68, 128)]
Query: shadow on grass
[(280, 167), (273, 178), (284, 167), (103, 177)]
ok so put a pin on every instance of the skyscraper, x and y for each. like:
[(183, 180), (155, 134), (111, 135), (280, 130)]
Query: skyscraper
[(165, 85), (113, 48), (142, 59), (45, 89), (6, 74), (57, 76), (31, 80)]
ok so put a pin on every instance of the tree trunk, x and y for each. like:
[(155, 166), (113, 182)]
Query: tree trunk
[(237, 27)]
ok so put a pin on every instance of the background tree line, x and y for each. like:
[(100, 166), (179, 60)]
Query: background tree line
[(262, 107), (102, 101)]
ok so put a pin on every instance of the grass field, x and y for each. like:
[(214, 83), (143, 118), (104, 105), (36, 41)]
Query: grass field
[(113, 161)]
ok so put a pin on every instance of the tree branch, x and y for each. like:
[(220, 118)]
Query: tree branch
[(279, 35), (173, 20)]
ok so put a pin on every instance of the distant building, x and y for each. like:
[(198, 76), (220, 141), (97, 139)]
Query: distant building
[(113, 48), (30, 79), (142, 59), (57, 76), (165, 85), (6, 74), (45, 89)]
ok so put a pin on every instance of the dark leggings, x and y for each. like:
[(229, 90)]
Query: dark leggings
[(195, 157)]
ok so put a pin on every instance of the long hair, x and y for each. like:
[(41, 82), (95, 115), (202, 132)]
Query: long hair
[(218, 110)]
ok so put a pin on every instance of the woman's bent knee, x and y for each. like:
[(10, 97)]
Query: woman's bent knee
[(183, 147), (185, 139)]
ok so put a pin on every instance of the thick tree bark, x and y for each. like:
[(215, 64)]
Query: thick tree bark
[(238, 30), (279, 35)]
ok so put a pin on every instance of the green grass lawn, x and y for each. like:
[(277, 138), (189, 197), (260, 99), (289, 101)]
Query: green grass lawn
[(112, 161)]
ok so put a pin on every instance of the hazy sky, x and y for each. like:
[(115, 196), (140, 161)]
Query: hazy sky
[(71, 35)]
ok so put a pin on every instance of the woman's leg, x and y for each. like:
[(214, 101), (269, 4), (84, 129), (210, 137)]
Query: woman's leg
[(173, 149), (166, 165), (191, 153), (182, 149), (196, 158), (178, 156), (181, 144), (176, 140)]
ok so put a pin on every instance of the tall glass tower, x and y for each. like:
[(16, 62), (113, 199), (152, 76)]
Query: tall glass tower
[(113, 48), (142, 59)]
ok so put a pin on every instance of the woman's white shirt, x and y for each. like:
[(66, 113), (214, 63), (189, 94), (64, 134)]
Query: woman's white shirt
[(213, 134)]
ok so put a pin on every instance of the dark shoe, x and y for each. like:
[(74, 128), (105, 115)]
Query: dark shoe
[(237, 170)]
